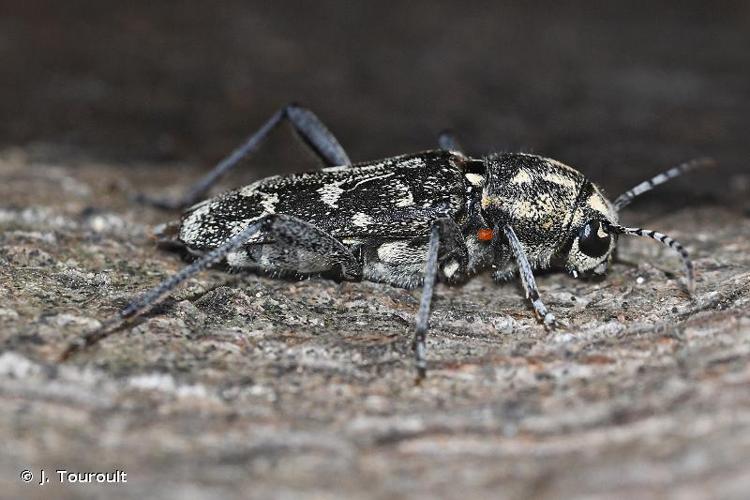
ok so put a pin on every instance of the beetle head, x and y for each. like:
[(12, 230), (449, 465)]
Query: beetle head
[(590, 241), (594, 227)]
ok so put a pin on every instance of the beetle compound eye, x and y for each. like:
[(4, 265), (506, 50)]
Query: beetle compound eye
[(593, 239)]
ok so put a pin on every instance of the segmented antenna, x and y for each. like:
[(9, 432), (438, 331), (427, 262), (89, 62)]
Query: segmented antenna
[(625, 198), (665, 240)]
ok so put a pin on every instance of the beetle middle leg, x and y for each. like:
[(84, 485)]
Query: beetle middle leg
[(527, 278), (306, 125), (445, 233)]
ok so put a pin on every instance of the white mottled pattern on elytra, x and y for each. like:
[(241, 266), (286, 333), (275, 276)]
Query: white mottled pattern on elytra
[(191, 227), (475, 179), (268, 201), (522, 177), (370, 179), (361, 168), (415, 162), (251, 189), (361, 220), (407, 200), (330, 193)]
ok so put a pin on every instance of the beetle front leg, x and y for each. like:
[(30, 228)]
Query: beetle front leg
[(306, 125), (527, 278)]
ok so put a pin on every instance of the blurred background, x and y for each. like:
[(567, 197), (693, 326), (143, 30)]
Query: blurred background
[(619, 90)]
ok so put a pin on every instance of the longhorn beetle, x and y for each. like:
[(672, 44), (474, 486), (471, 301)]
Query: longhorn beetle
[(408, 220)]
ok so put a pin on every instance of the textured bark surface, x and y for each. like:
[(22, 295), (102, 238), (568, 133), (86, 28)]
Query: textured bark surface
[(245, 386), (237, 385)]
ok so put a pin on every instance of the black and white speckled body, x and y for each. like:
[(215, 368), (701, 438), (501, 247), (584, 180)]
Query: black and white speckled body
[(395, 197), (382, 212)]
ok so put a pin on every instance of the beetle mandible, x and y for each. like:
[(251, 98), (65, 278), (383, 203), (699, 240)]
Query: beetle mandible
[(408, 220)]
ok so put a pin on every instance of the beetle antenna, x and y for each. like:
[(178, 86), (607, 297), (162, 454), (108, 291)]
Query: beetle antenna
[(625, 198), (665, 240)]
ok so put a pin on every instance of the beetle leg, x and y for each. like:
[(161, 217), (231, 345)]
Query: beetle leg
[(527, 278), (151, 297), (289, 231), (306, 125), (444, 233), (423, 316)]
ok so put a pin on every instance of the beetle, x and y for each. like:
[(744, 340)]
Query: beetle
[(409, 220)]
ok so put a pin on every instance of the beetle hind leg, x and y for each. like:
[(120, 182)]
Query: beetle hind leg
[(289, 231), (307, 126)]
